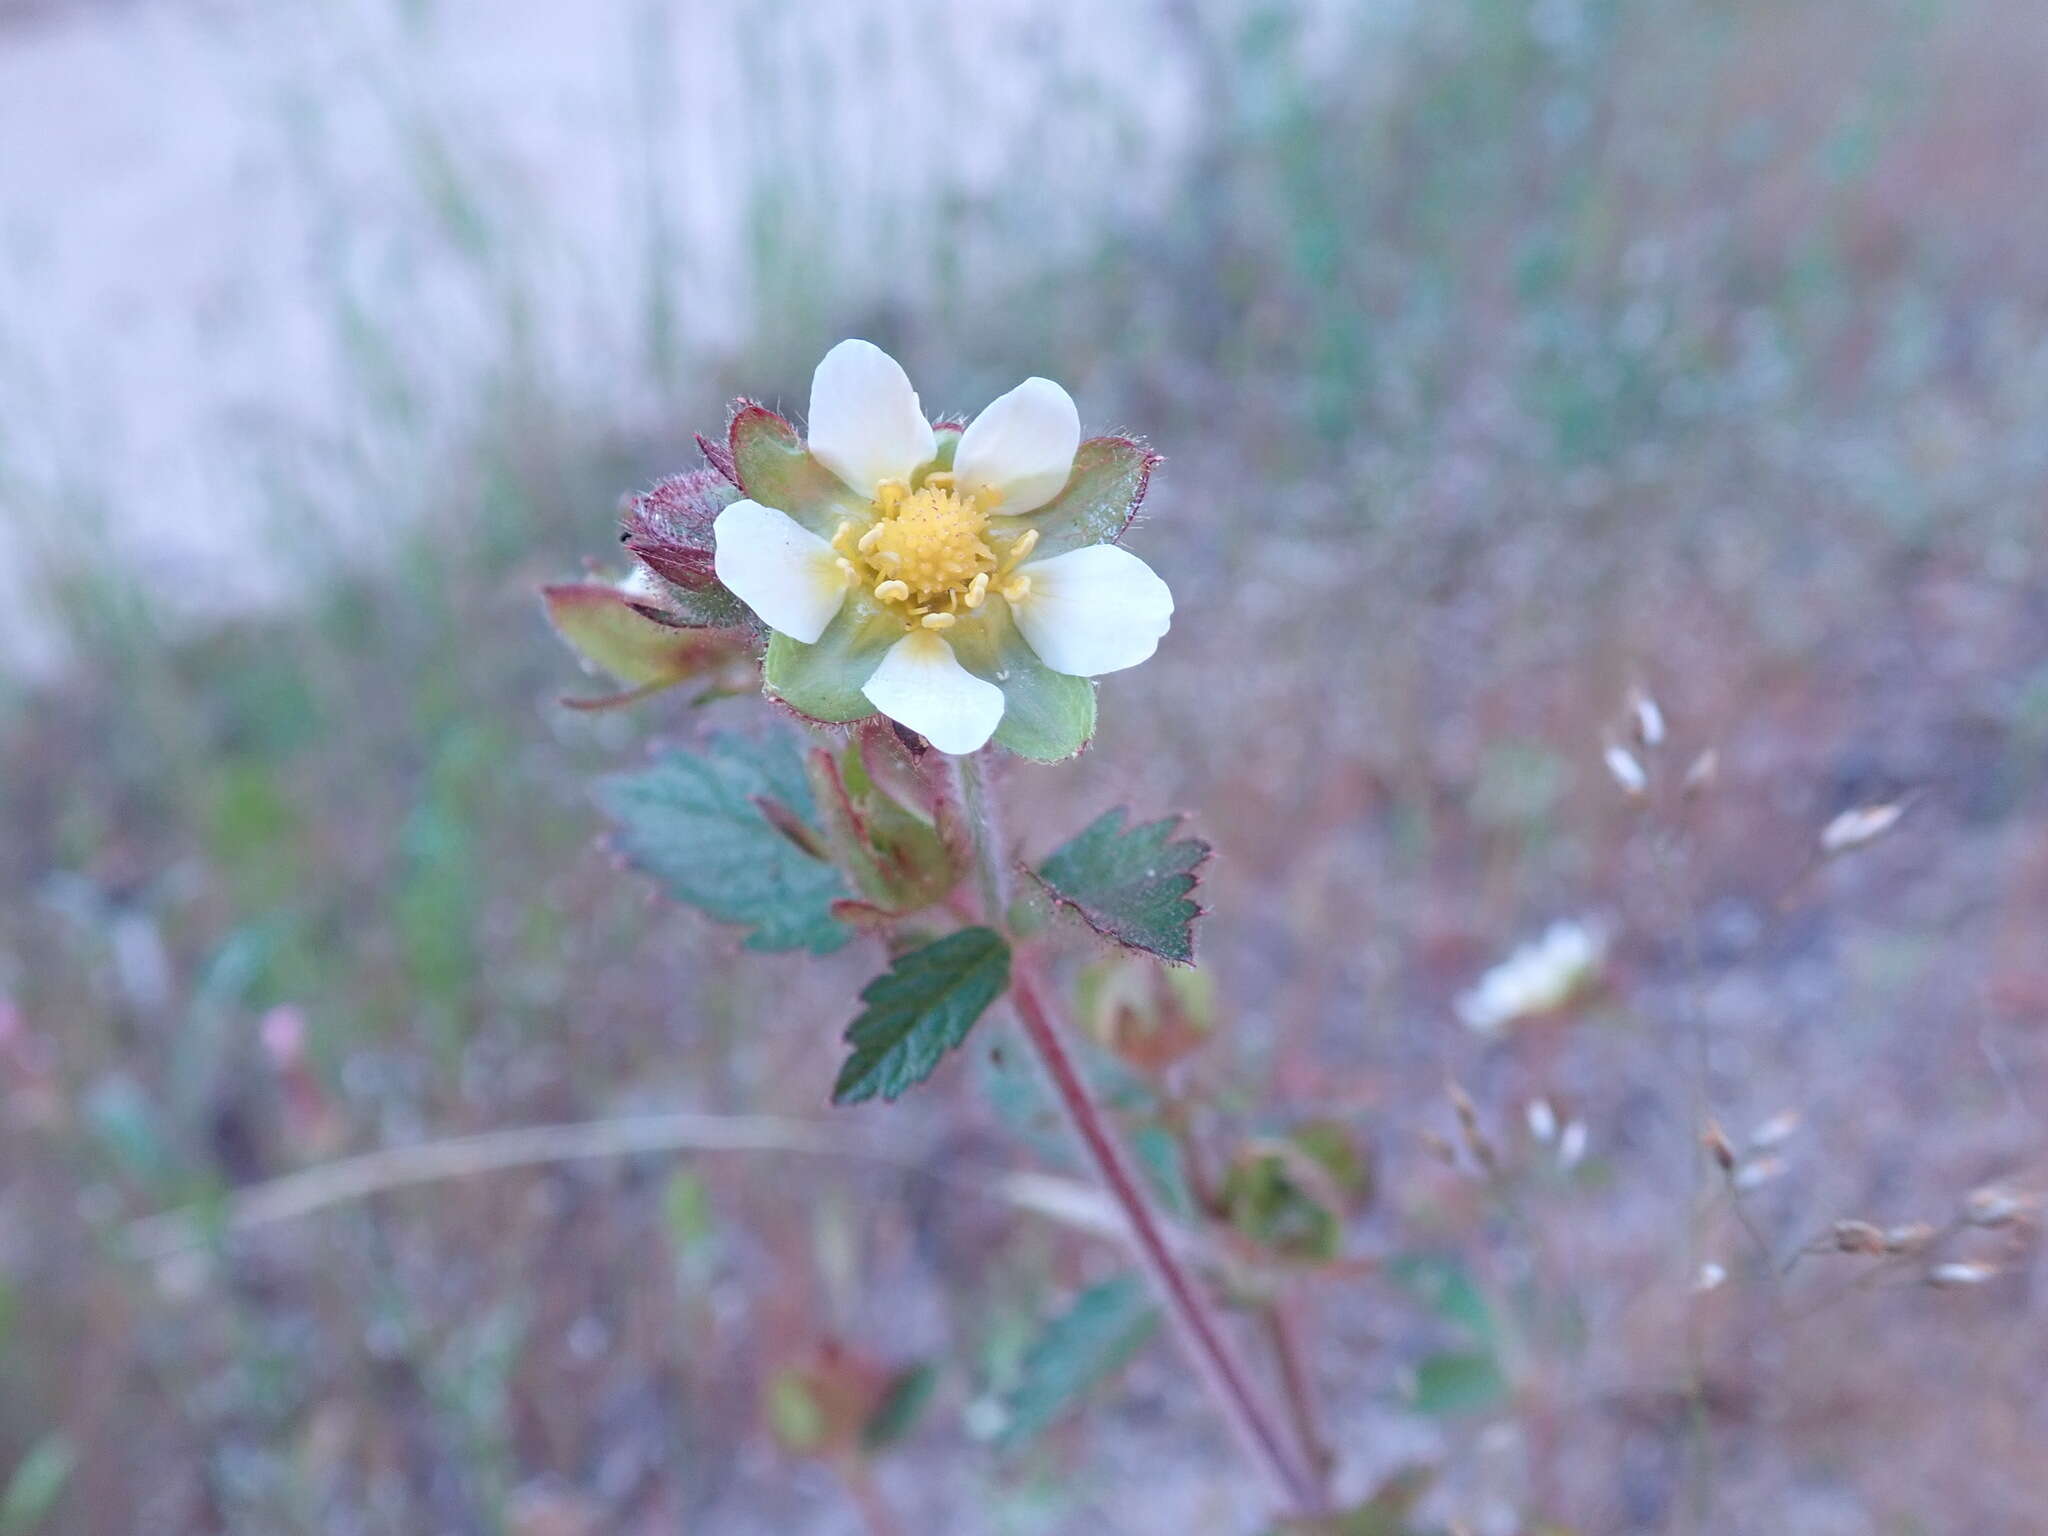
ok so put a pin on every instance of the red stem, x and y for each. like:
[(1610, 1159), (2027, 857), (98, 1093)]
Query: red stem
[(1200, 1330)]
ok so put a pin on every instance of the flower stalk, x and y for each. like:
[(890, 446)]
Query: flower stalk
[(1195, 1320)]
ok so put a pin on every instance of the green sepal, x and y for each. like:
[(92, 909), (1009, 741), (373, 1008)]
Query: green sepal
[(777, 470), (1047, 716), (612, 631), (702, 608), (823, 681), (903, 1402), (897, 858), (1100, 499), (946, 435)]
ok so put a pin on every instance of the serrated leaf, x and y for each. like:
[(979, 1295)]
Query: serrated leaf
[(690, 820), (903, 1401), (1131, 884), (1076, 1352), (1458, 1381), (919, 1009)]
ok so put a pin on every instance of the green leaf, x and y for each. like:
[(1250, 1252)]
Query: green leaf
[(37, 1483), (1101, 496), (919, 1009), (1132, 885), (1457, 1382), (1444, 1286), (903, 1401), (1077, 1351), (690, 820), (777, 470)]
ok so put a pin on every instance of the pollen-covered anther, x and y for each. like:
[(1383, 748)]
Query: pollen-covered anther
[(977, 591), (932, 542), (892, 591), (1017, 588), (1026, 542), (940, 620)]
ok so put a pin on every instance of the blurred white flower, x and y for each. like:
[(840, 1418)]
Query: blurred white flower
[(1859, 825), (1538, 978), (1571, 1146), (1627, 771)]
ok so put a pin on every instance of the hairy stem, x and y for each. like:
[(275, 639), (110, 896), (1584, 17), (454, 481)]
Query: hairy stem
[(1195, 1320)]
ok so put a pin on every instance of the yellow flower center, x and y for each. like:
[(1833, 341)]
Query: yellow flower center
[(929, 554)]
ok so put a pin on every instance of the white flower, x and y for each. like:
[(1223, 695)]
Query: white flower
[(922, 584), (1538, 978)]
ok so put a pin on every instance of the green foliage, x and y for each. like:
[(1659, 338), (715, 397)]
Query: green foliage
[(1282, 1200), (1445, 1287), (1468, 1378), (1458, 1381), (903, 1402), (36, 1484), (1076, 1352), (919, 1009), (692, 822), (1132, 884)]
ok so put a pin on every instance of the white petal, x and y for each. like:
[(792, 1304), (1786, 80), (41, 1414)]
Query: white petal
[(1093, 610), (1022, 445), (866, 424), (778, 568), (921, 684)]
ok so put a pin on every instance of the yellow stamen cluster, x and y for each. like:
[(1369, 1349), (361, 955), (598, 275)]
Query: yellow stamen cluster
[(929, 551)]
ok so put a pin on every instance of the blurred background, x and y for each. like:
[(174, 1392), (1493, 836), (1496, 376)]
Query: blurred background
[(1509, 358)]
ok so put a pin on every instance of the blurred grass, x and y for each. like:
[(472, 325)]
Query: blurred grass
[(1504, 354)]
